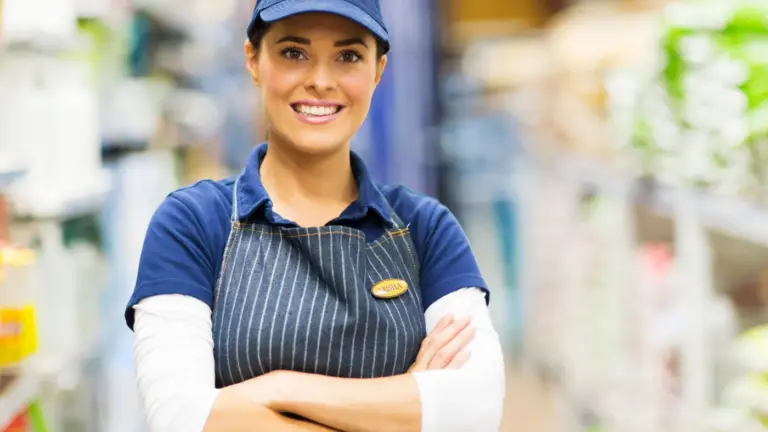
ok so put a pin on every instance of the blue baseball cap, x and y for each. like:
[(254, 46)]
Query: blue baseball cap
[(367, 13)]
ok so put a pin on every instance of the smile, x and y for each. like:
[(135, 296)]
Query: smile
[(316, 113)]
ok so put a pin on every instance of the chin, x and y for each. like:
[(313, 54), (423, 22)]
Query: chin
[(317, 143)]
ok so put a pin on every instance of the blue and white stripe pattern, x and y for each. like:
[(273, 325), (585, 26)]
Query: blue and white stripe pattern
[(300, 299)]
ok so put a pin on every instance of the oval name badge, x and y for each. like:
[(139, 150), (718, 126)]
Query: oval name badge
[(389, 288)]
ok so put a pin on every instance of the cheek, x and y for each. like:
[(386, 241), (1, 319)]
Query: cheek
[(359, 89), (277, 85)]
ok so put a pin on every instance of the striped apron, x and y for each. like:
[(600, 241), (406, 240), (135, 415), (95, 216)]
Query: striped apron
[(300, 299)]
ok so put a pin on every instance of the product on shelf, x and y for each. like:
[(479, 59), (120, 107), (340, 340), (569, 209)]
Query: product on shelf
[(18, 326), (657, 331), (19, 424), (22, 21), (473, 20), (31, 419), (744, 400), (591, 42), (702, 118), (62, 153), (734, 420)]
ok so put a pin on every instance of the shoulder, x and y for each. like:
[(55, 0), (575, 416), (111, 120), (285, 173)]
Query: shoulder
[(198, 213), (204, 197), (417, 210), (184, 243), (422, 214), (446, 259), (203, 207)]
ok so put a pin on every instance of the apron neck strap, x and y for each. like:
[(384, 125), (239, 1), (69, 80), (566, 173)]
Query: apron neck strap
[(396, 221), (234, 217)]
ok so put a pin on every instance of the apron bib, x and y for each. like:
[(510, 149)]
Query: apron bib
[(301, 299)]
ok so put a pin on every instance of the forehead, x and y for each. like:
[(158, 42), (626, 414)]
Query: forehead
[(319, 25)]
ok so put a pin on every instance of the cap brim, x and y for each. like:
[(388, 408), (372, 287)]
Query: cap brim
[(287, 8)]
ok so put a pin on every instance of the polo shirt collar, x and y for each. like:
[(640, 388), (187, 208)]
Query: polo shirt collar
[(251, 195)]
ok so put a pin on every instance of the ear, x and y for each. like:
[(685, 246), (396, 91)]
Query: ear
[(380, 67), (251, 61)]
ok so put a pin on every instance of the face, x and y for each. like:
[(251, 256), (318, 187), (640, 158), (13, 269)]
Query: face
[(317, 73)]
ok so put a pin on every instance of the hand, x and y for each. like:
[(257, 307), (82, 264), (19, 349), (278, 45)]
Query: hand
[(259, 400), (445, 346)]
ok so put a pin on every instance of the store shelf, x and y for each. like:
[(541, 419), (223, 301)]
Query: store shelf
[(41, 43), (729, 216), (87, 202), (130, 145), (14, 398), (62, 374), (65, 372), (732, 217)]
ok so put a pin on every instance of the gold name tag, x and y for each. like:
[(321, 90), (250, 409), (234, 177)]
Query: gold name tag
[(389, 288)]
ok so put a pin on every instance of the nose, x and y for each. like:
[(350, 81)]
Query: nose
[(320, 78)]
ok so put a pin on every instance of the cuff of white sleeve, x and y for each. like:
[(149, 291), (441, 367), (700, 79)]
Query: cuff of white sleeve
[(449, 405), (206, 407)]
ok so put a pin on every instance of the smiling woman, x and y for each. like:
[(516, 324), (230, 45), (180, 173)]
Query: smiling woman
[(300, 294), (315, 69)]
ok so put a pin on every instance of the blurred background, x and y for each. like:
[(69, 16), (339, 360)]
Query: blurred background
[(606, 158)]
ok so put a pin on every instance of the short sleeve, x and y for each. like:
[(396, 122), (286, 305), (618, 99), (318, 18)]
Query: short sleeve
[(176, 257), (447, 261)]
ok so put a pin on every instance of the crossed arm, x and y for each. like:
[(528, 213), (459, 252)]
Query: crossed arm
[(444, 387), (331, 403)]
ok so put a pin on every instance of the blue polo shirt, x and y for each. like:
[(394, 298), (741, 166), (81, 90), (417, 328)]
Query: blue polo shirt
[(184, 245)]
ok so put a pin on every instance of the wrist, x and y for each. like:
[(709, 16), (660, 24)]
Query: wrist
[(266, 391)]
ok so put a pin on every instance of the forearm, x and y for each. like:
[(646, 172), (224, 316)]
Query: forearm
[(465, 400), (235, 411), (352, 405), (175, 372), (469, 399)]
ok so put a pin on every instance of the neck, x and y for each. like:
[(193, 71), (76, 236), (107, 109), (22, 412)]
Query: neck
[(289, 176)]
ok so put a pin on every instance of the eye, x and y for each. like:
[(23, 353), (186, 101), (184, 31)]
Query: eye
[(350, 56), (293, 54)]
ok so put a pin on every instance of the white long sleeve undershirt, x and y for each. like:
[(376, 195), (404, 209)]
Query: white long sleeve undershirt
[(173, 350)]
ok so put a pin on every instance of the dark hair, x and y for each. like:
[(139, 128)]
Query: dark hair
[(382, 47)]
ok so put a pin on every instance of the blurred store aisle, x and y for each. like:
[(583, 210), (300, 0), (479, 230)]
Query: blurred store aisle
[(530, 406)]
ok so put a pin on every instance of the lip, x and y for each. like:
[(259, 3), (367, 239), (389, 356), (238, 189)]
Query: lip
[(317, 120), (316, 102)]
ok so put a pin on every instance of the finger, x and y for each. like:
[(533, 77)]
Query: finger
[(440, 327), (421, 357), (447, 353), (460, 360), (436, 341), (443, 324)]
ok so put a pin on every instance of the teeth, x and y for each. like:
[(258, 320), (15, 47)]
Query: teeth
[(317, 110)]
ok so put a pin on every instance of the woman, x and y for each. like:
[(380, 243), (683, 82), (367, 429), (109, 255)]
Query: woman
[(298, 295)]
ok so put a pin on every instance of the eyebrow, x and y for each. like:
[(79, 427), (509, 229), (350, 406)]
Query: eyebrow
[(350, 41), (341, 43), (294, 39)]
